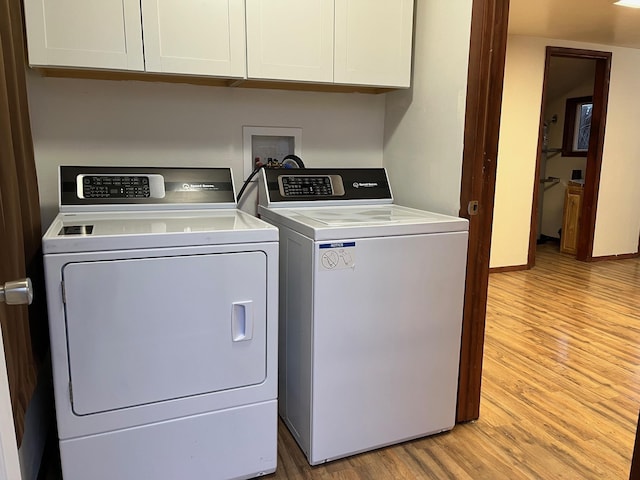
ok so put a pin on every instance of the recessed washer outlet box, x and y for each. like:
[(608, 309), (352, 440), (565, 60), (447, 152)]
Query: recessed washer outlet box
[(264, 143)]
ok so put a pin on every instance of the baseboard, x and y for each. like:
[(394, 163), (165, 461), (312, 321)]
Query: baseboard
[(512, 268), (624, 256)]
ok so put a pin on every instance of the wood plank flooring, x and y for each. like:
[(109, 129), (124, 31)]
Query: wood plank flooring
[(560, 392), (561, 386)]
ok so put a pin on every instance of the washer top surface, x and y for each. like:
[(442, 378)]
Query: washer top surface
[(100, 231), (337, 222)]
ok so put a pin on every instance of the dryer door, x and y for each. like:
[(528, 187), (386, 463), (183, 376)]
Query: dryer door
[(147, 330)]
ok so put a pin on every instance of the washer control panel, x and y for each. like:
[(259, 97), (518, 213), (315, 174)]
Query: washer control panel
[(302, 186), (299, 185), (120, 186)]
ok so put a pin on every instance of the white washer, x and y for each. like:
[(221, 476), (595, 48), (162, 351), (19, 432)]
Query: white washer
[(371, 298), (162, 305)]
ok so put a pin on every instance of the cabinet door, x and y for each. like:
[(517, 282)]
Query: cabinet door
[(87, 34), (194, 37), (571, 219), (290, 40), (373, 42)]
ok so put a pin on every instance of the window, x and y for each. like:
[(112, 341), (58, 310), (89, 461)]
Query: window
[(577, 126)]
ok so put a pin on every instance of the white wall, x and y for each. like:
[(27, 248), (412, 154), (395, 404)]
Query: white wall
[(618, 208), (424, 126), (99, 122)]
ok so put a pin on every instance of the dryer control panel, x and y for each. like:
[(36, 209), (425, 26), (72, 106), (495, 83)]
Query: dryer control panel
[(92, 188), (120, 186)]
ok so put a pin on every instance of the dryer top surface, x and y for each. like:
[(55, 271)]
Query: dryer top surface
[(83, 232)]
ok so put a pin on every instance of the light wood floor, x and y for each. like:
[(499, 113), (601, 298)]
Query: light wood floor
[(561, 385)]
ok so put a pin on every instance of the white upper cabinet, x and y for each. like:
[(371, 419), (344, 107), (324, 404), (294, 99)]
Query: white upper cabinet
[(290, 40), (354, 42), (373, 42), (348, 42), (194, 37), (86, 34)]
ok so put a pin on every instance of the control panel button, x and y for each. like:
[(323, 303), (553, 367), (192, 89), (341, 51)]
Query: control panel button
[(317, 186), (110, 186)]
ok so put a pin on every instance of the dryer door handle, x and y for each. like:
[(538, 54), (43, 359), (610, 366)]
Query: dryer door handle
[(242, 321)]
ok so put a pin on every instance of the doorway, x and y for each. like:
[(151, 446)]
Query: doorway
[(574, 102), (563, 157)]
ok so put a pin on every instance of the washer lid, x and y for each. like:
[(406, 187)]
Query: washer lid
[(87, 232), (331, 223)]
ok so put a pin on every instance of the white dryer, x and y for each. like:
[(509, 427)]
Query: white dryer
[(162, 305), (371, 298)]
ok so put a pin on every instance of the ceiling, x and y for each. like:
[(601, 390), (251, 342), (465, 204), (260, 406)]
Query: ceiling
[(590, 21)]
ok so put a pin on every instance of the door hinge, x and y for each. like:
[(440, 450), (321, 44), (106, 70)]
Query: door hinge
[(473, 207), (64, 294)]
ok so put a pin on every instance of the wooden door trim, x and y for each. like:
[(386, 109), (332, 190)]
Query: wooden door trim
[(587, 221), (482, 126), (9, 463)]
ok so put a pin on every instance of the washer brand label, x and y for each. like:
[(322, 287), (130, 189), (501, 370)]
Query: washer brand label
[(337, 256), (365, 184), (337, 245)]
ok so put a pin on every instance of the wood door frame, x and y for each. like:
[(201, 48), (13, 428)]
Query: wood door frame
[(9, 462), (482, 127), (587, 222)]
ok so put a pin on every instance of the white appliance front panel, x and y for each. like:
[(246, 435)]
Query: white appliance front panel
[(236, 443), (148, 330), (386, 327), (71, 425)]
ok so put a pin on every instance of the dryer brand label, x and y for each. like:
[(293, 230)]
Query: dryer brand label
[(337, 256), (200, 186), (365, 184)]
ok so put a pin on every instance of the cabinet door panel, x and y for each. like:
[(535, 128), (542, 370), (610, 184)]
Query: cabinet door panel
[(194, 37), (78, 33), (571, 219), (290, 40), (373, 42)]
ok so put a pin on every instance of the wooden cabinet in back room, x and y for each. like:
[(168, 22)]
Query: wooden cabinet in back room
[(571, 218)]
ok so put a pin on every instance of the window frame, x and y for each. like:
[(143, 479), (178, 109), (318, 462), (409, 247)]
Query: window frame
[(571, 126)]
